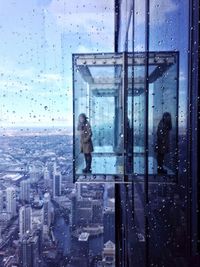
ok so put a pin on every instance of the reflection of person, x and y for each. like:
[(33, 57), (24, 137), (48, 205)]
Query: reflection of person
[(162, 145), (86, 145)]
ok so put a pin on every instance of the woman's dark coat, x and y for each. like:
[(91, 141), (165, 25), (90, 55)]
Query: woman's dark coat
[(86, 145)]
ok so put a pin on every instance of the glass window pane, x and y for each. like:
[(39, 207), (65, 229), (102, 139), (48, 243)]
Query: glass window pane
[(98, 96), (163, 106)]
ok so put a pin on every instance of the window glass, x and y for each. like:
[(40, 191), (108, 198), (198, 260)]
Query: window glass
[(98, 114), (45, 219)]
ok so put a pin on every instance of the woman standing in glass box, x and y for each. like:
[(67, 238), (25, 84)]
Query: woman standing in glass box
[(86, 145)]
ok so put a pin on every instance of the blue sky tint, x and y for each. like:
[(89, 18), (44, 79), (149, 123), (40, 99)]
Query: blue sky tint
[(38, 38)]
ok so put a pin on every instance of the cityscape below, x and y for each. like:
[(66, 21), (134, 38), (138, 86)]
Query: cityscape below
[(45, 219), (99, 133)]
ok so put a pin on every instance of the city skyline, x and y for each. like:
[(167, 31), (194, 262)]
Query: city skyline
[(99, 133), (38, 199)]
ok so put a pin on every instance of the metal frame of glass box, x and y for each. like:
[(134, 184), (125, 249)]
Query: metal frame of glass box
[(127, 83)]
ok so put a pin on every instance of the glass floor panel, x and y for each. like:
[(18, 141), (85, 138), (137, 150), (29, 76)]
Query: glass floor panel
[(109, 149), (104, 165), (112, 164)]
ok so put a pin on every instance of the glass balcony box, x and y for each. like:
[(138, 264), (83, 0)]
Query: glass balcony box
[(124, 104)]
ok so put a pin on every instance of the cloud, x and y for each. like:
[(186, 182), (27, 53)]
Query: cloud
[(83, 49), (15, 80), (12, 70), (81, 6), (48, 121), (50, 77), (158, 11), (14, 86), (89, 22)]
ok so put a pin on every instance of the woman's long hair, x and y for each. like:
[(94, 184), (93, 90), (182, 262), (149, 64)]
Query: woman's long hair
[(81, 124)]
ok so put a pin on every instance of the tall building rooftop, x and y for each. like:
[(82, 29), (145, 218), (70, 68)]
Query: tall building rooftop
[(83, 236)]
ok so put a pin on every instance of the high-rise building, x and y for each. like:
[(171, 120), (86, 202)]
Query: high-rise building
[(47, 178), (73, 210), (57, 180), (47, 216), (84, 211), (25, 190), (35, 173), (97, 211), (80, 250), (108, 254), (11, 201), (78, 190), (25, 220), (83, 252), (109, 225), (29, 252), (46, 173), (1, 201)]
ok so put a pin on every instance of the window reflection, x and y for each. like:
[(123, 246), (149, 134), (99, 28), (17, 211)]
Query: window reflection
[(115, 104), (45, 219)]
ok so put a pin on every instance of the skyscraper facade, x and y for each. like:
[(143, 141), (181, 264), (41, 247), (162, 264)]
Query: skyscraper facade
[(1, 201), (11, 201), (57, 181), (25, 220), (109, 225), (25, 190), (47, 210), (29, 252)]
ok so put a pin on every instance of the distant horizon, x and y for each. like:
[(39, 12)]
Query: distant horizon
[(35, 127), (16, 131), (48, 130)]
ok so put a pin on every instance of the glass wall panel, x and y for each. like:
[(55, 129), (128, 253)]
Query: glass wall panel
[(109, 92), (139, 120), (45, 219), (136, 111), (98, 94), (139, 26), (163, 124), (169, 31), (126, 11), (139, 225), (161, 26), (163, 97), (168, 231), (129, 119), (130, 236)]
